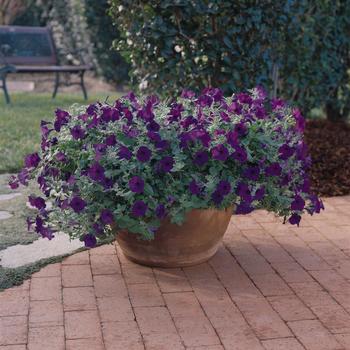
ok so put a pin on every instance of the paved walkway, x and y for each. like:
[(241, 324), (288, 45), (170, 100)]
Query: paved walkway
[(271, 286)]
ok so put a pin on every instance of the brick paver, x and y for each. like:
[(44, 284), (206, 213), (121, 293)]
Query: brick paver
[(269, 287)]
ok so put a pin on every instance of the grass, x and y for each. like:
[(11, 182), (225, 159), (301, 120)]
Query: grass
[(20, 123)]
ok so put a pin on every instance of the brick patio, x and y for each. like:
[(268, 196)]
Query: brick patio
[(271, 286)]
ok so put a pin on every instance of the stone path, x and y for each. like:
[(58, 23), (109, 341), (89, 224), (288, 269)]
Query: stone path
[(271, 286)]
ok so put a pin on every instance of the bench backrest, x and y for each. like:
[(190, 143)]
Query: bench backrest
[(27, 45)]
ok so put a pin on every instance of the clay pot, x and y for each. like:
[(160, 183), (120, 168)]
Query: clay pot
[(191, 243)]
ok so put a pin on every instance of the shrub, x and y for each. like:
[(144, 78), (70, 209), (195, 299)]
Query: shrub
[(132, 163), (298, 49)]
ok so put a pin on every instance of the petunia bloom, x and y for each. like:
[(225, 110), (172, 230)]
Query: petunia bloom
[(139, 208), (107, 217), (143, 154), (77, 204), (136, 184)]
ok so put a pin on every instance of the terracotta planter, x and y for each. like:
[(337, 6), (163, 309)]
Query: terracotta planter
[(194, 242)]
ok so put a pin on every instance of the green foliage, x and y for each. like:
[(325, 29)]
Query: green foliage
[(109, 62), (298, 49)]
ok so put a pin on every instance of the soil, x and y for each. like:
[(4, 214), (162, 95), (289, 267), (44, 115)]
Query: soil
[(329, 146)]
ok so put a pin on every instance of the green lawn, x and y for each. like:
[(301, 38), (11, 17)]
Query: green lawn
[(20, 123)]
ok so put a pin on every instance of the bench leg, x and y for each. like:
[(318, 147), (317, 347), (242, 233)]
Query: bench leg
[(4, 87), (83, 85), (57, 83)]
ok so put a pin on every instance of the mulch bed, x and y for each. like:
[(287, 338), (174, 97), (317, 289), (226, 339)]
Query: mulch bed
[(329, 146)]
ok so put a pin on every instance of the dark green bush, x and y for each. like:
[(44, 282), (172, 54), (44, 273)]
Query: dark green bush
[(296, 48), (102, 31)]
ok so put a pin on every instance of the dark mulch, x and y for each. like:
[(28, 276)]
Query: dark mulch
[(329, 146)]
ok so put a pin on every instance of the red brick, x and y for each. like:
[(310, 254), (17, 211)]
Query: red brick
[(332, 281), (138, 274), (233, 330), (210, 347), (45, 338), (109, 286), (332, 316), (107, 249), (282, 344), (46, 288), (13, 347), (45, 313), (81, 258), (344, 340), (79, 298), (156, 325), (76, 276), (172, 280), (263, 216), (290, 308), (271, 284), (104, 264), (53, 270), (308, 234), (254, 264), (239, 245), (14, 330), (292, 272), (265, 322), (14, 302), (85, 344), (147, 294), (190, 320), (113, 309), (82, 324), (245, 222), (314, 336), (122, 336)]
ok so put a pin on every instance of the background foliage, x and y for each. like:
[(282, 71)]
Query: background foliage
[(298, 49), (83, 32)]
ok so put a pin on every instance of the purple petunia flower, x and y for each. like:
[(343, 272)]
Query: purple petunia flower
[(252, 173), (162, 145), (139, 208), (77, 132), (273, 170), (124, 153), (96, 172), (223, 187), (298, 203), (154, 136), (300, 121), (62, 118), (136, 184), (160, 211), (317, 204), (285, 151), (111, 140), (61, 157), (201, 158), (90, 240), (241, 129), (13, 182), (244, 208), (143, 154), (194, 187), (153, 126), (205, 101), (32, 160), (240, 154), (295, 219), (37, 202), (232, 138), (98, 228), (244, 192), (277, 103), (187, 94), (259, 194), (166, 164), (220, 152), (107, 217), (217, 197), (77, 204)]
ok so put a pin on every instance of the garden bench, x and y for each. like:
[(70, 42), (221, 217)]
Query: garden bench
[(32, 50)]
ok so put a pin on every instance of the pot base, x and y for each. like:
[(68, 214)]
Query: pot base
[(192, 243)]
